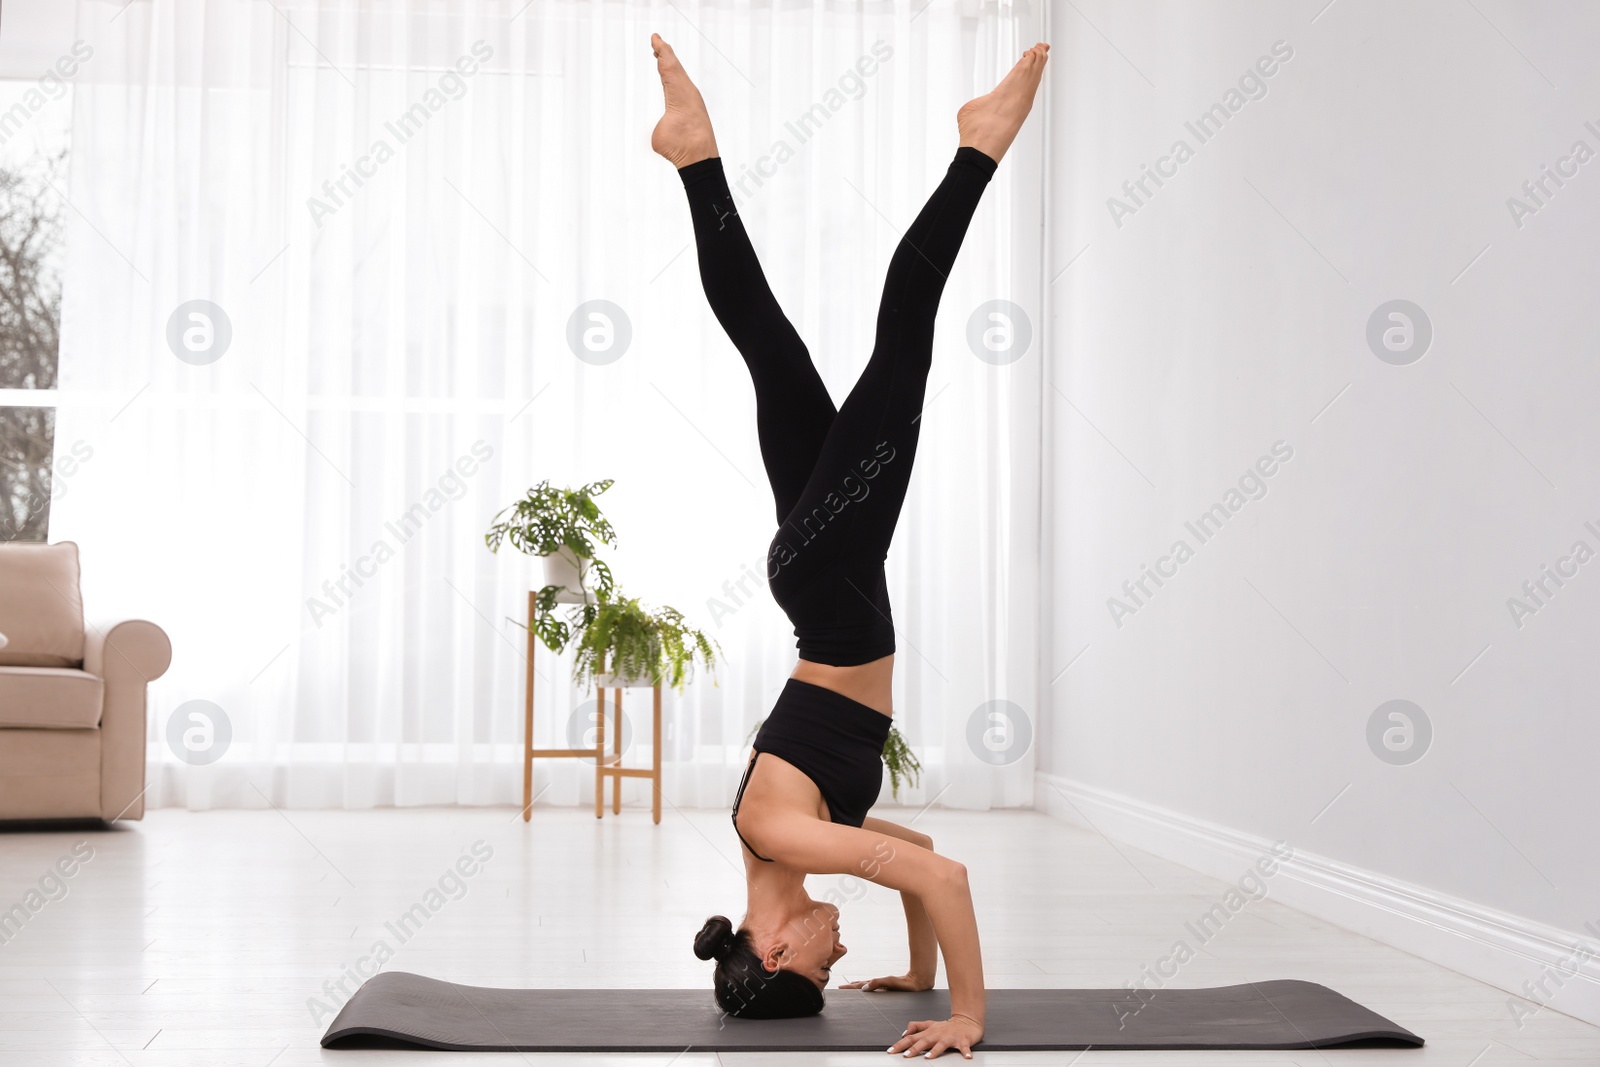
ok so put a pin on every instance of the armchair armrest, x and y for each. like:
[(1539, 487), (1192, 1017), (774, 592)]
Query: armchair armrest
[(128, 656), (133, 646)]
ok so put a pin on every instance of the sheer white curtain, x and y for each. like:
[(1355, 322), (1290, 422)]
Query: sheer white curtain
[(399, 208)]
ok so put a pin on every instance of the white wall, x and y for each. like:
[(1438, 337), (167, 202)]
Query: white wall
[(1229, 312)]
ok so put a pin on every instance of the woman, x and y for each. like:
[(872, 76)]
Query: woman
[(838, 479)]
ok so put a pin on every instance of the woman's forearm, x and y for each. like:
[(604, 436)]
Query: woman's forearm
[(920, 935), (923, 940), (949, 908)]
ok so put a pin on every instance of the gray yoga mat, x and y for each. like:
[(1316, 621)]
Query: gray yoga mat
[(1283, 1014)]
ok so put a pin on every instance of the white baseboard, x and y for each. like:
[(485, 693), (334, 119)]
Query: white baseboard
[(1505, 950)]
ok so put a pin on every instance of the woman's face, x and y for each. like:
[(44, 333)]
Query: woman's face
[(810, 942)]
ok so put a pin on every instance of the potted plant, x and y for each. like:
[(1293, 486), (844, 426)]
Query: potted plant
[(897, 757), (626, 643), (562, 526)]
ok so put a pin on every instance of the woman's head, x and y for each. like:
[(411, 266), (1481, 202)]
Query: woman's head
[(772, 974)]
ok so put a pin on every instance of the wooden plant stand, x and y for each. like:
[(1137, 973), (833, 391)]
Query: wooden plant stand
[(604, 766)]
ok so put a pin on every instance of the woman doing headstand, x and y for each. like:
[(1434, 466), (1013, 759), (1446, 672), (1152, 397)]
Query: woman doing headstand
[(838, 479)]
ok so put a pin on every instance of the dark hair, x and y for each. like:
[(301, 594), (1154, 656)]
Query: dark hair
[(744, 987)]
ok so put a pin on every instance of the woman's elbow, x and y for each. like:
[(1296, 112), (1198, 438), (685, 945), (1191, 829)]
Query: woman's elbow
[(953, 875)]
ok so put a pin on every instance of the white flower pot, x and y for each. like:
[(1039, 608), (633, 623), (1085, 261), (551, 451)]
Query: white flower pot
[(562, 567), (616, 681)]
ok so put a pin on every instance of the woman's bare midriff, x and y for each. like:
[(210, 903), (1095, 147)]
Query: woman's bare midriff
[(867, 683)]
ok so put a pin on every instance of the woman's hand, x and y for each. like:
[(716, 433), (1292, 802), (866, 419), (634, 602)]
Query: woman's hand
[(933, 1037), (909, 983)]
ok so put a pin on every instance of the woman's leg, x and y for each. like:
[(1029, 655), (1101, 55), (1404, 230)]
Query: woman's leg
[(852, 500), (847, 513), (793, 408)]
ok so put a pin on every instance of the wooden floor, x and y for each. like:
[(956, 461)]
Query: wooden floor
[(209, 939)]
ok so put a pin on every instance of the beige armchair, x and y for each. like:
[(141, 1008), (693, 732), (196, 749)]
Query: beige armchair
[(72, 699)]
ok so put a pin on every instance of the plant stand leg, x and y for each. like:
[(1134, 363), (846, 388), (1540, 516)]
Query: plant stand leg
[(527, 720), (600, 753), (655, 762), (616, 747)]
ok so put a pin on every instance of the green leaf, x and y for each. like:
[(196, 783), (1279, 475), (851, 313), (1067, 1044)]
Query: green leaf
[(902, 763), (626, 638), (546, 519)]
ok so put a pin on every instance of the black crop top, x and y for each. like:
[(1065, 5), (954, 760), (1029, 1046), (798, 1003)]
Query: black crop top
[(835, 741)]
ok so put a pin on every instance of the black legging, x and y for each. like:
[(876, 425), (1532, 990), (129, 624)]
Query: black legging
[(838, 477)]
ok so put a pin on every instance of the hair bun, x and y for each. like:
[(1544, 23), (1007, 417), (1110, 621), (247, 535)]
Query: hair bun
[(715, 939)]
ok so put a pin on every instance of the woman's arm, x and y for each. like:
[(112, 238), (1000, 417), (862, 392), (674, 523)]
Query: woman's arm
[(818, 847), (924, 943)]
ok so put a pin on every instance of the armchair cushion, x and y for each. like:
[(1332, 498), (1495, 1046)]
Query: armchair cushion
[(41, 609), (50, 698)]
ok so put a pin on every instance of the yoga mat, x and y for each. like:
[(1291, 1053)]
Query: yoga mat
[(1282, 1014)]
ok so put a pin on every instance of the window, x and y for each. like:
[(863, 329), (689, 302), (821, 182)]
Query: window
[(34, 133)]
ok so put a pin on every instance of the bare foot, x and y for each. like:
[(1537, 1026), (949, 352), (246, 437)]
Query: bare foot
[(990, 122), (683, 135)]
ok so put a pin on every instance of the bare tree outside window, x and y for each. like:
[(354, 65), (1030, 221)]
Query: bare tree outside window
[(30, 323)]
